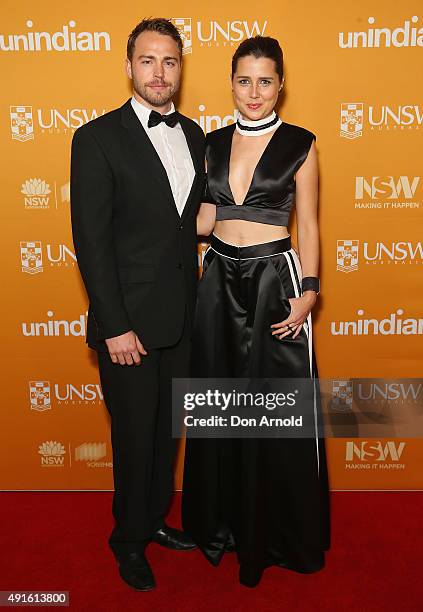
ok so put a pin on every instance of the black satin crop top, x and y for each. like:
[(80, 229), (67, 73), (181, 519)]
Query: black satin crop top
[(271, 195)]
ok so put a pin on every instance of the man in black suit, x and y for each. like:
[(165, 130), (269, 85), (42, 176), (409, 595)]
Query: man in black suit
[(137, 175)]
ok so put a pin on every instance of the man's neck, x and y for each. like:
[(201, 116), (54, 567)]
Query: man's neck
[(160, 109)]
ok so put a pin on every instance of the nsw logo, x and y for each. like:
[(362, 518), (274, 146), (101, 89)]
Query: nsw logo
[(52, 454), (36, 192)]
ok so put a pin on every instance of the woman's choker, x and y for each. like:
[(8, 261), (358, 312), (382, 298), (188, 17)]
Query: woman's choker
[(259, 127)]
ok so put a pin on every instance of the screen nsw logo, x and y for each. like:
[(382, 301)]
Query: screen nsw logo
[(92, 455), (53, 454)]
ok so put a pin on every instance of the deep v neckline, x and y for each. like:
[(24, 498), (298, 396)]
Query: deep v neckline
[(228, 165)]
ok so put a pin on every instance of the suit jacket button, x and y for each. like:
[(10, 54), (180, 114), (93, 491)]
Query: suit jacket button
[(181, 227), (179, 266)]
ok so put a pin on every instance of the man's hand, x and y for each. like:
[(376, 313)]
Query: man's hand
[(126, 349)]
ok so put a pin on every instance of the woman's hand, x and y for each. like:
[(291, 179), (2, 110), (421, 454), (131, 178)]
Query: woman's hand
[(300, 309)]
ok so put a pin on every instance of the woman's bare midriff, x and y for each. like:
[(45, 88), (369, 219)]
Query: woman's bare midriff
[(245, 233)]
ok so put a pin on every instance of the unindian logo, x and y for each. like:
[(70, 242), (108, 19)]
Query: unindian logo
[(394, 324), (66, 39), (409, 35)]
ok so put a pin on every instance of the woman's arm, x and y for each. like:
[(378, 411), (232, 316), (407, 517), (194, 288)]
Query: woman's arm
[(206, 219), (307, 186)]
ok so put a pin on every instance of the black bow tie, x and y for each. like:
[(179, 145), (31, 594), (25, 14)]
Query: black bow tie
[(155, 118)]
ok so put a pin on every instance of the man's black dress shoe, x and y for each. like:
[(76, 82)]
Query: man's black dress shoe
[(174, 539), (135, 570)]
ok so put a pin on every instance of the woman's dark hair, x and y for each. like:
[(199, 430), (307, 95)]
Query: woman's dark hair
[(159, 25), (260, 46)]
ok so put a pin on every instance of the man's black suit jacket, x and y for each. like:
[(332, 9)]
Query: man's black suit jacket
[(137, 255)]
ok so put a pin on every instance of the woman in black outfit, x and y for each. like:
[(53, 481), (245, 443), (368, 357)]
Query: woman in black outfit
[(267, 499)]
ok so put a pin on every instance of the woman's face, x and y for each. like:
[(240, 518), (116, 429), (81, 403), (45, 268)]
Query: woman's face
[(255, 87)]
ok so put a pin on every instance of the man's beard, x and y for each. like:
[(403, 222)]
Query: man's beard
[(155, 98)]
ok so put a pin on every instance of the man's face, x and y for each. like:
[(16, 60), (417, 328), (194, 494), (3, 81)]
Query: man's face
[(155, 69)]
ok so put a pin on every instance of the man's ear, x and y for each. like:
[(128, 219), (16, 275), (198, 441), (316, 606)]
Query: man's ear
[(128, 68)]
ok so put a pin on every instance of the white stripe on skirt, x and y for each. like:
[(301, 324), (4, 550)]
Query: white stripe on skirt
[(309, 333)]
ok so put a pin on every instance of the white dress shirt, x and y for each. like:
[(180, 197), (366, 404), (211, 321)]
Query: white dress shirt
[(172, 148)]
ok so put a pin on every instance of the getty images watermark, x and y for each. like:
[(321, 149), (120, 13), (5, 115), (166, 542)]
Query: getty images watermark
[(241, 407), (297, 407)]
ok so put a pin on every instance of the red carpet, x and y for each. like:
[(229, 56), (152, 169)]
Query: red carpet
[(57, 541)]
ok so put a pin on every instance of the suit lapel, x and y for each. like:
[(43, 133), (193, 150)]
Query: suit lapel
[(147, 152), (198, 164)]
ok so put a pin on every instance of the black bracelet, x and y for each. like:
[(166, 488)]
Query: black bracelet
[(310, 283)]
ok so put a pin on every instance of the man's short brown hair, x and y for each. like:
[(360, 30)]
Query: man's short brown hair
[(157, 24)]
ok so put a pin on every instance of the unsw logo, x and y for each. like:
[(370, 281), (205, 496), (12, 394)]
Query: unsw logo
[(342, 395), (401, 117), (51, 121), (368, 393), (215, 33), (58, 255), (397, 253), (39, 395), (42, 394), (387, 393)]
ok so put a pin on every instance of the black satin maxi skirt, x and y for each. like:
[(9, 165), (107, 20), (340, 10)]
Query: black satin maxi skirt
[(266, 499)]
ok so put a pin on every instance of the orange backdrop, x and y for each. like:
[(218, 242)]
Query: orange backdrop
[(351, 77)]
